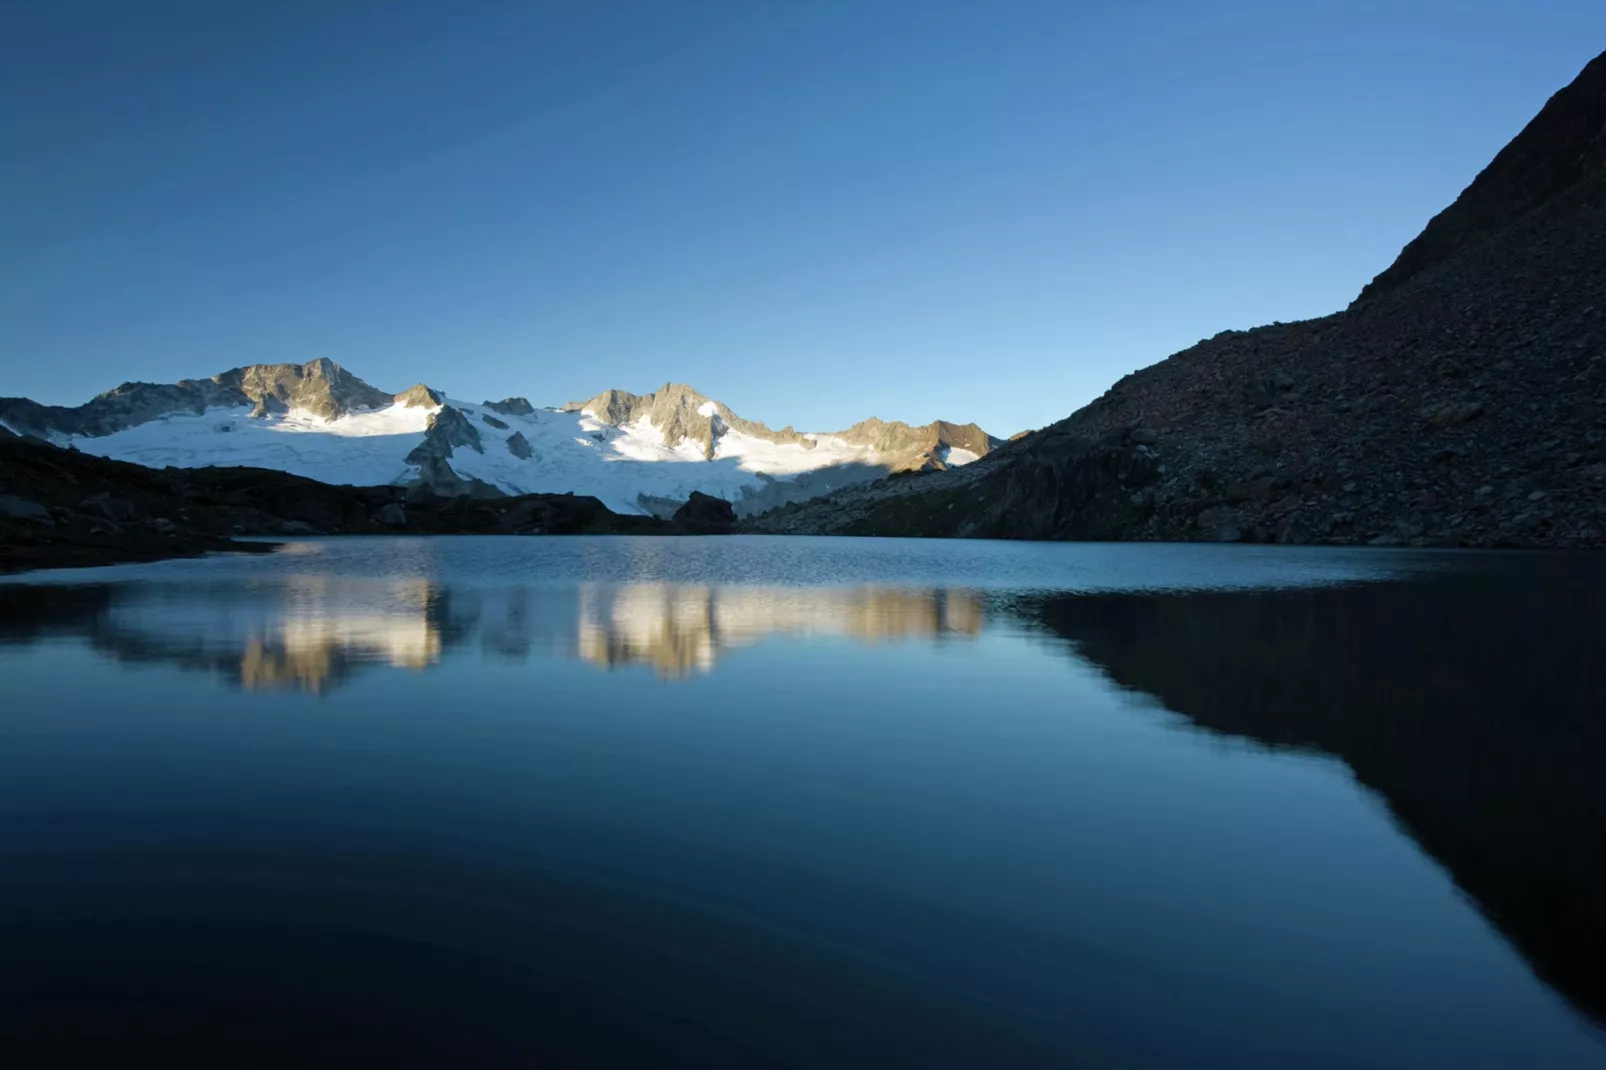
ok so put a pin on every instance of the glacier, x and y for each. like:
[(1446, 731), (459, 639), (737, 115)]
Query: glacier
[(637, 454), (569, 451)]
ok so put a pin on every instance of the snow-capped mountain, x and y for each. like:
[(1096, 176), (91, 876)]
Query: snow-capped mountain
[(637, 453)]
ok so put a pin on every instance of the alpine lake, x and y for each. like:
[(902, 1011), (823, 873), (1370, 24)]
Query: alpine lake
[(750, 801)]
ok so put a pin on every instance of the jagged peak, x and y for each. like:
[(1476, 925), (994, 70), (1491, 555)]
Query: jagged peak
[(320, 387), (923, 442), (614, 398), (420, 396), (680, 411)]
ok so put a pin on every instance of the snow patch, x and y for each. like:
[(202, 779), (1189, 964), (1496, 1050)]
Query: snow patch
[(953, 455), (760, 455)]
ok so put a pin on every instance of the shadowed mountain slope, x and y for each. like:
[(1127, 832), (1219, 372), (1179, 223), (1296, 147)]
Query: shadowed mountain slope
[(1460, 401)]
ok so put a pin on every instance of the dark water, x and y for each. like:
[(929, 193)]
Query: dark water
[(806, 802)]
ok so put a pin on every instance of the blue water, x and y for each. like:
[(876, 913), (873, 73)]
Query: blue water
[(809, 802)]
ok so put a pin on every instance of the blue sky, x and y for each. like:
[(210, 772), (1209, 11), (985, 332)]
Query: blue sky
[(814, 211)]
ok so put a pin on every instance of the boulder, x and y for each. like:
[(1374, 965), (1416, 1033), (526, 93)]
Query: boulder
[(1453, 413), (15, 508), (437, 479), (107, 507), (704, 512)]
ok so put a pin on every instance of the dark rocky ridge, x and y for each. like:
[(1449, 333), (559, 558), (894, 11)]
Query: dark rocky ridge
[(61, 508), (121, 407), (1563, 145), (1461, 401)]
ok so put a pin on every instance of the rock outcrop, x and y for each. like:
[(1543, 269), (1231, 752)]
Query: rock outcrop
[(448, 429), (705, 514), (511, 406)]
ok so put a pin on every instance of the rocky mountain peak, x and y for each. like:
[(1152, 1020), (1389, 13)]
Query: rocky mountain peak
[(320, 387), (420, 396), (923, 446), (679, 412)]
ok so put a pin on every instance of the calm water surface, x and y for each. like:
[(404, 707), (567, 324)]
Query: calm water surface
[(793, 802)]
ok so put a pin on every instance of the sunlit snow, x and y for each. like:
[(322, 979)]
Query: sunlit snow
[(570, 451), (957, 456)]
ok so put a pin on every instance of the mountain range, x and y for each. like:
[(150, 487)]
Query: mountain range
[(638, 454), (1460, 400)]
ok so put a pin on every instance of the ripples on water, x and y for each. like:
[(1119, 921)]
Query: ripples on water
[(835, 802)]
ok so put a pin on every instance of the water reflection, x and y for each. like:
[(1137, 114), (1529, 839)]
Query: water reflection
[(311, 633), (1472, 703), (1469, 701), (680, 629)]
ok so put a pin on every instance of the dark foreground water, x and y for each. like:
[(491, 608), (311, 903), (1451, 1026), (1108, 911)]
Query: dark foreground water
[(463, 802)]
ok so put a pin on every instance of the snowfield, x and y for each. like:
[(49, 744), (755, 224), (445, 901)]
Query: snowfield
[(954, 456), (569, 451)]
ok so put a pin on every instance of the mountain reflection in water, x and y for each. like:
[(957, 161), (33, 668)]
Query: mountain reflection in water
[(1473, 702), (312, 633), (683, 629)]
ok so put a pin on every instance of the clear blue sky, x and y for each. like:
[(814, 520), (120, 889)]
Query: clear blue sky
[(814, 211)]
